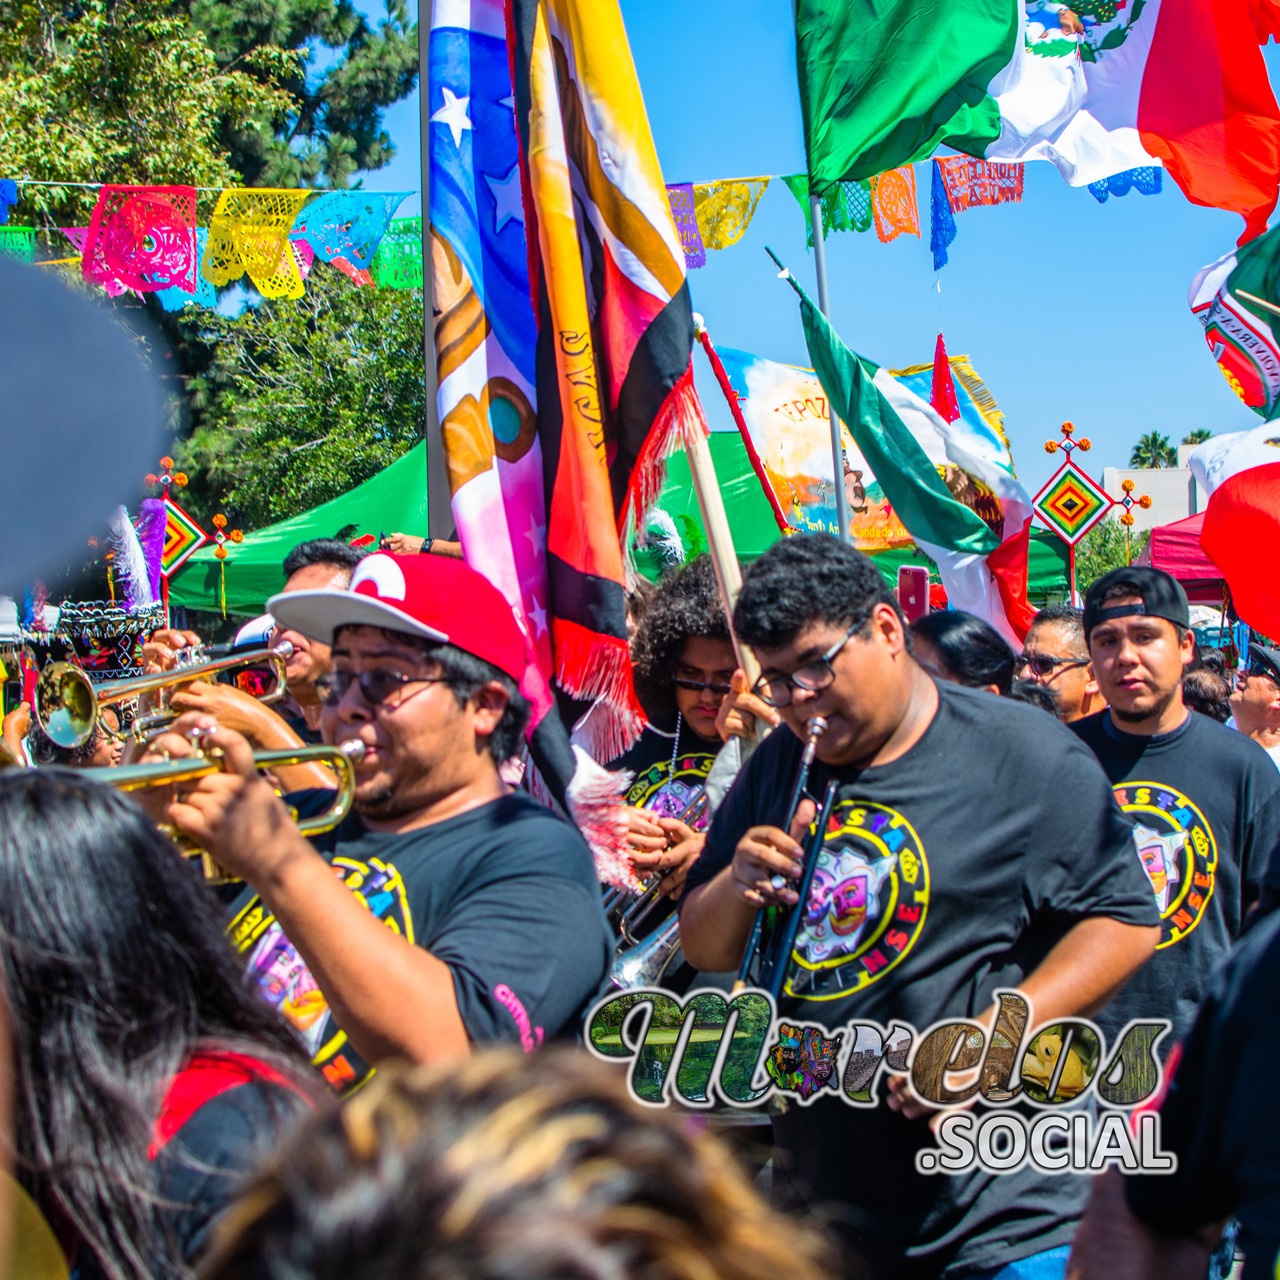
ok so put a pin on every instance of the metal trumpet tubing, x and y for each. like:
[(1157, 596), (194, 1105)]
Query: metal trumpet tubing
[(167, 773), (646, 964), (66, 703)]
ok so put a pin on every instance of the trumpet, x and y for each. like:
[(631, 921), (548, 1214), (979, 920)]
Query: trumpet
[(66, 701), (754, 951), (165, 773), (646, 964)]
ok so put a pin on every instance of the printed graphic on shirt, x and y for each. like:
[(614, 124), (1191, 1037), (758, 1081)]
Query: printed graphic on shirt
[(867, 904), (667, 792), (1178, 852), (803, 1060), (286, 982)]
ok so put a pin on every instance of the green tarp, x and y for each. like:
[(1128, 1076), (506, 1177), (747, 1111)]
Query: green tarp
[(396, 500), (393, 501)]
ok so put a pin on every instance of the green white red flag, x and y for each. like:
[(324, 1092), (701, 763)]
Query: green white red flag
[(1240, 472), (1132, 83), (1237, 300), (959, 505)]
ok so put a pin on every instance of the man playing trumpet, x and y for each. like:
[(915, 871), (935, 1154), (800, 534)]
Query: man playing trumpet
[(444, 912)]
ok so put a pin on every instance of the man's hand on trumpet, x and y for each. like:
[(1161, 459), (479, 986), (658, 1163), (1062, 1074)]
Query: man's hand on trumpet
[(161, 651), (233, 814), (238, 711), (768, 859)]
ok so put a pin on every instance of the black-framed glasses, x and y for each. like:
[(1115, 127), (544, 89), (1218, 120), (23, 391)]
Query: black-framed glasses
[(1041, 665), (812, 676), (1259, 668), (697, 686), (375, 686)]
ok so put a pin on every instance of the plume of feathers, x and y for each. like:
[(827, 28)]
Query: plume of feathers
[(663, 537), (130, 564), (151, 526)]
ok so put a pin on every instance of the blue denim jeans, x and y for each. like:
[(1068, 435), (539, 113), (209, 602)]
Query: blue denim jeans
[(1049, 1265)]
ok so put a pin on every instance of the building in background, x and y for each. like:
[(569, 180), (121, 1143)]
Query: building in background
[(1172, 490)]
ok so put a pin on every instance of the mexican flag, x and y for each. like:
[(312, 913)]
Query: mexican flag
[(1237, 300), (1095, 88), (1241, 531), (963, 510)]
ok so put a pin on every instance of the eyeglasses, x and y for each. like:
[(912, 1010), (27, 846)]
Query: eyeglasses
[(697, 686), (775, 691), (375, 686), (1041, 665), (1256, 668)]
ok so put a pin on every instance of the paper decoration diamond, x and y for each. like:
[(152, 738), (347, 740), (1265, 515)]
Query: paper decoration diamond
[(182, 536), (1071, 503)]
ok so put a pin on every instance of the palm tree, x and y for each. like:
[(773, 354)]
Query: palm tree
[(1198, 436), (1153, 450)]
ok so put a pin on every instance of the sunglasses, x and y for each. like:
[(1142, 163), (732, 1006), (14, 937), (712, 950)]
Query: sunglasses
[(697, 686), (1042, 665), (255, 681), (375, 686), (1256, 668)]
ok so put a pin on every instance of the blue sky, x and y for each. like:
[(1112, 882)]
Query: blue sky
[(1069, 309)]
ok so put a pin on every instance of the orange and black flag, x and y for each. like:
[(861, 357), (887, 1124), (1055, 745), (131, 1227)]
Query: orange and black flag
[(614, 329)]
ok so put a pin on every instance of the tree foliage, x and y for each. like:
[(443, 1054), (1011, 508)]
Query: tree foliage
[(1153, 450), (1198, 436), (122, 92), (346, 72), (1103, 548), (303, 399)]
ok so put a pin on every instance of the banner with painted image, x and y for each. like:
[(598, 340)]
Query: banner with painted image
[(787, 414)]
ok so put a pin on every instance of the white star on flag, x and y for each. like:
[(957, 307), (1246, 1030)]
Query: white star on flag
[(538, 616), (454, 114), (507, 198), (537, 535)]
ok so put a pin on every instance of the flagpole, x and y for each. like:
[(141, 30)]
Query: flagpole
[(439, 499), (837, 448)]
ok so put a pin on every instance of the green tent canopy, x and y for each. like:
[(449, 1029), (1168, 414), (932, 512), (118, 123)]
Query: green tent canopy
[(393, 501), (754, 528)]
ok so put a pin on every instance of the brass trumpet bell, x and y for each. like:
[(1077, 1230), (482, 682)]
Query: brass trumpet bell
[(66, 701)]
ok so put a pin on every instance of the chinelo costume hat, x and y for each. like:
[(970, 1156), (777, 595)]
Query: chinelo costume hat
[(435, 597)]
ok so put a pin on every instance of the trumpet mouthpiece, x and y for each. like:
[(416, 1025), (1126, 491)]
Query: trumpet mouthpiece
[(354, 751), (284, 649), (817, 727)]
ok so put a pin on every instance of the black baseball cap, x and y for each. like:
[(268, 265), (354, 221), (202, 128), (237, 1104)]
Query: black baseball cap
[(1161, 595), (1269, 658)]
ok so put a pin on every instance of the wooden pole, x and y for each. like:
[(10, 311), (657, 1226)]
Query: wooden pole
[(719, 540), (824, 305)]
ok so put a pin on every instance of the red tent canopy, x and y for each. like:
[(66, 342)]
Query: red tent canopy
[(1176, 549)]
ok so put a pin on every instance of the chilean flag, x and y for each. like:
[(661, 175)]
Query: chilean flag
[(1241, 474)]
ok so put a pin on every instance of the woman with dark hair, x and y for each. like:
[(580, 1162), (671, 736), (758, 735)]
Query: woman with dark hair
[(955, 646), (146, 1071), (542, 1168), (685, 668)]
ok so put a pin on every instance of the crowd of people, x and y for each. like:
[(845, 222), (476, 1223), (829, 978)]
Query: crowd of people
[(361, 1056)]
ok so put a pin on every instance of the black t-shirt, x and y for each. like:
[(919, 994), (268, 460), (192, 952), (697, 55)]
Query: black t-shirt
[(1221, 1115), (1205, 801), (504, 894), (201, 1169), (954, 871), (669, 766)]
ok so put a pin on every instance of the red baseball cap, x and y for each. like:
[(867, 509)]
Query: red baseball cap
[(436, 597)]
